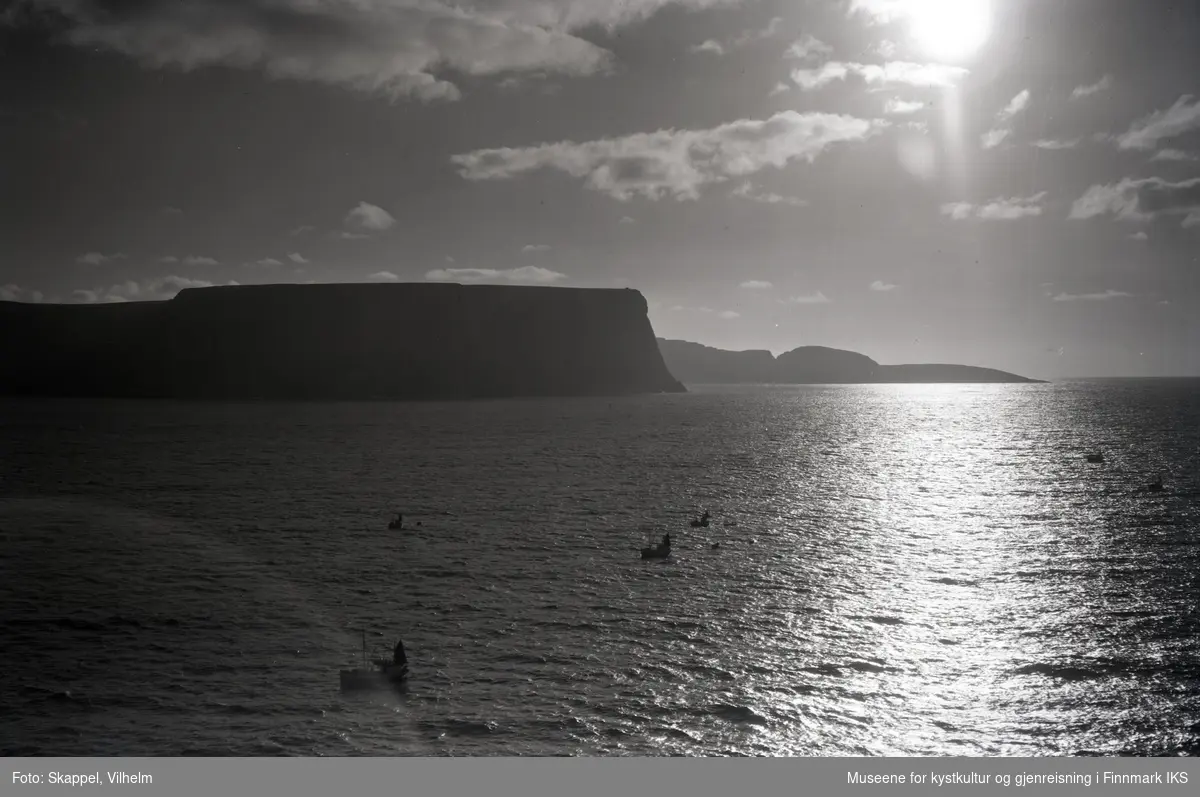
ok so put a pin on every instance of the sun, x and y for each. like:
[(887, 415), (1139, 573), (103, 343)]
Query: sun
[(950, 30)]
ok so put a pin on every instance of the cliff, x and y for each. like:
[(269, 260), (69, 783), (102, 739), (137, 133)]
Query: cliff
[(694, 364), (338, 342)]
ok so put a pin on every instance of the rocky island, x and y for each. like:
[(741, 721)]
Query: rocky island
[(693, 363), (338, 342)]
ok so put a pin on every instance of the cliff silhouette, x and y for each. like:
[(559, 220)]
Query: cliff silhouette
[(693, 363), (338, 342)]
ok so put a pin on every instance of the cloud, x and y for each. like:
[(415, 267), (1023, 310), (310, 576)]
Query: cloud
[(383, 276), (780, 88), (879, 12), (728, 315), (889, 74), (999, 209), (535, 248), (675, 163), (756, 285), (993, 138), (1103, 84), (394, 48), (196, 260), (169, 210), (296, 257), (529, 274), (746, 191), (369, 217), (302, 229), (15, 293), (1173, 155), (898, 107), (98, 258), (711, 46), (1141, 200), (1182, 117), (744, 38), (1015, 106), (807, 46), (1091, 297), (267, 262), (812, 298), (168, 259), (1049, 143), (880, 285), (1139, 236), (156, 289), (627, 220)]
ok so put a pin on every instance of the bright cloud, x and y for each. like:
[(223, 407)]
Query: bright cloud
[(993, 138), (741, 40), (1103, 84), (1182, 117), (98, 258), (535, 248), (710, 46), (746, 191), (156, 289), (296, 257), (529, 274), (883, 287), (728, 315), (1050, 143), (806, 47), (267, 262), (369, 217), (15, 293), (811, 298), (396, 48), (1141, 200), (898, 107), (1139, 236), (999, 209), (756, 285), (1173, 155), (675, 163), (1103, 296), (889, 74), (1015, 106), (383, 276), (198, 260)]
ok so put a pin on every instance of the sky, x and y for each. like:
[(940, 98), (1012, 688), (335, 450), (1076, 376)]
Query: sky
[(1008, 184)]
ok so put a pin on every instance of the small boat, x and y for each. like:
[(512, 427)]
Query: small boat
[(700, 524), (656, 552), (1155, 486), (377, 673), (715, 545), (1095, 458), (396, 524)]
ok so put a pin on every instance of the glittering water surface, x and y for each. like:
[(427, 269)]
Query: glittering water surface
[(903, 570)]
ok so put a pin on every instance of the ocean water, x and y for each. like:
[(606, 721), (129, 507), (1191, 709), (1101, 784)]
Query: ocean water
[(903, 570)]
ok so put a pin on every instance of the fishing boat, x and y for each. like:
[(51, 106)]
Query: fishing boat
[(374, 673), (1095, 458), (657, 550)]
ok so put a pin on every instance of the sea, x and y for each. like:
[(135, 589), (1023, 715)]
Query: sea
[(900, 570)]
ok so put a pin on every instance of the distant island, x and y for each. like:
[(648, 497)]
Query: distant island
[(695, 364), (338, 342)]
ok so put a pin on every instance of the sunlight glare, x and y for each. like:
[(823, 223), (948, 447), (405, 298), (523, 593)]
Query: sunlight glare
[(950, 29)]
